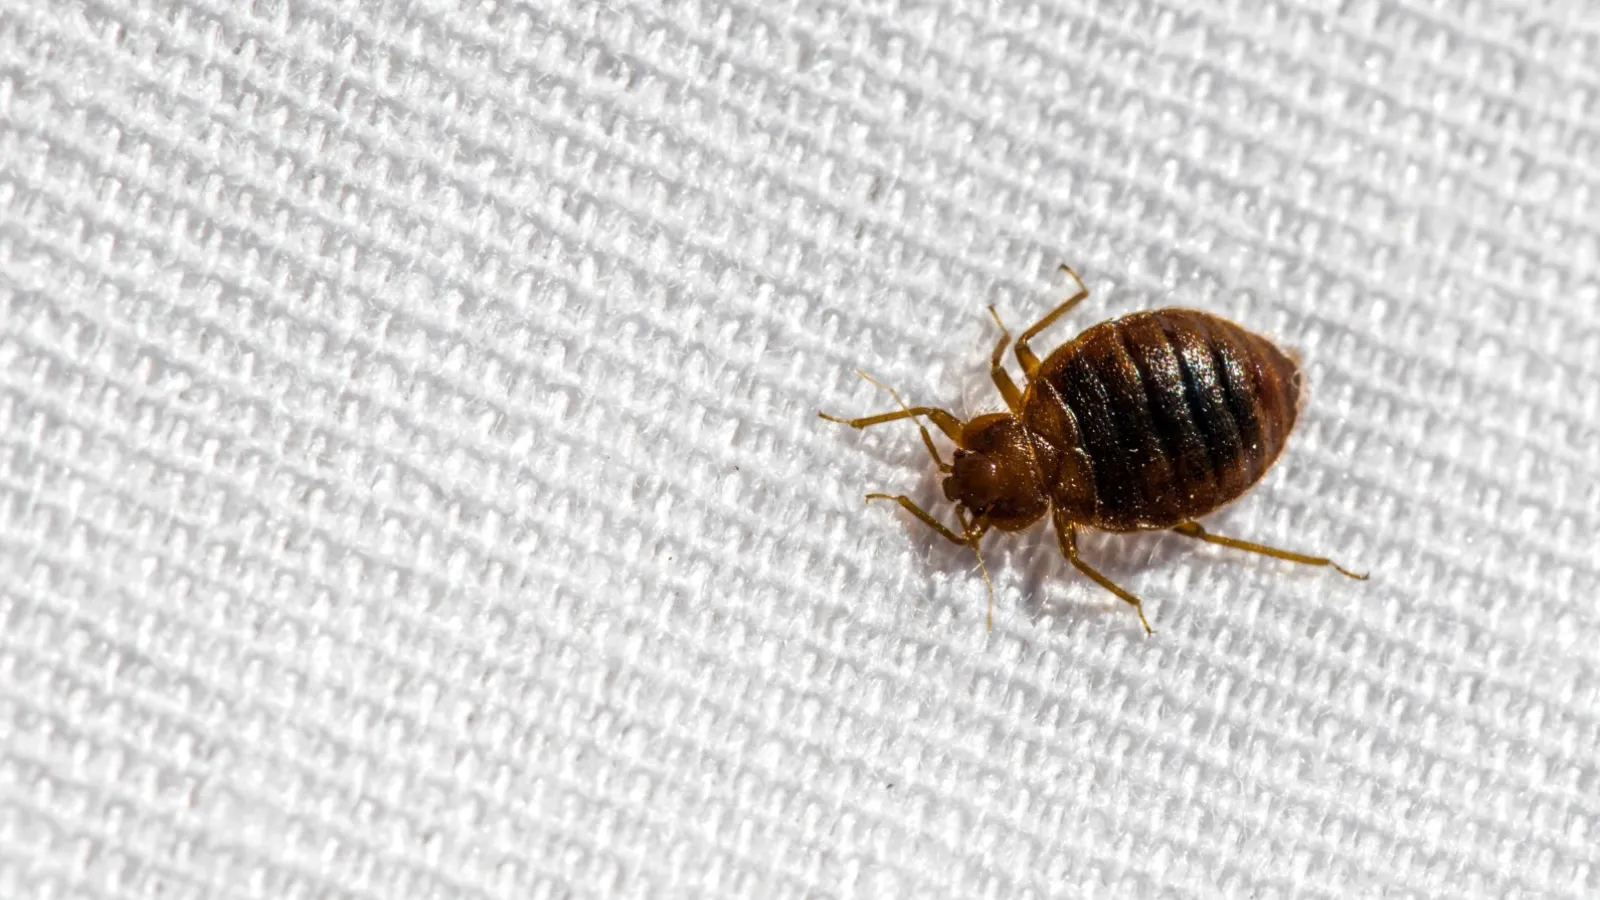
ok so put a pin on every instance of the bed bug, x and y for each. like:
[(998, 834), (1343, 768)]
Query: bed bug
[(1141, 423)]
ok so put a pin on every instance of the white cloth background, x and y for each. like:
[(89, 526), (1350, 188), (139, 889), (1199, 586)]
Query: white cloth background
[(410, 483)]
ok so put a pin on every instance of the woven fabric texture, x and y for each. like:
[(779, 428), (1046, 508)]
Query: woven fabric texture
[(411, 484)]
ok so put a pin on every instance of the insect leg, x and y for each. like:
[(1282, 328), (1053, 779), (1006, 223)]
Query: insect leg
[(1025, 354), (1193, 529), (997, 369), (1068, 537), (947, 423), (922, 514)]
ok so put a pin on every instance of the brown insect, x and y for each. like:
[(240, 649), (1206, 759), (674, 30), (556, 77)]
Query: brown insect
[(1141, 423)]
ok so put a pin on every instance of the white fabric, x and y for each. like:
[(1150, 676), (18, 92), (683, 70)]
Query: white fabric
[(411, 483)]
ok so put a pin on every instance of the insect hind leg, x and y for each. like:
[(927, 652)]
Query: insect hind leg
[(1193, 529)]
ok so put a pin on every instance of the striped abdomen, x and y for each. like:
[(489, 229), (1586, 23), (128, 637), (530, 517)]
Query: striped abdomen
[(1160, 417)]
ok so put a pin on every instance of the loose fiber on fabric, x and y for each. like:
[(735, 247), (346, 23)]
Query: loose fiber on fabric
[(411, 484)]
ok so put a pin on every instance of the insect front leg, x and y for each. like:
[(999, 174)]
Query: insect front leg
[(924, 515), (1067, 534), (946, 422)]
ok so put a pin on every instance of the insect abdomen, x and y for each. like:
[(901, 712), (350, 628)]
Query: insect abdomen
[(1177, 412)]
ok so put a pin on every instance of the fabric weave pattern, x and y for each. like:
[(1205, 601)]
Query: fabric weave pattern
[(411, 484)]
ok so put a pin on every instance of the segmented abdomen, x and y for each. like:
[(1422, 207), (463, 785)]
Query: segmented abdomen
[(1177, 411)]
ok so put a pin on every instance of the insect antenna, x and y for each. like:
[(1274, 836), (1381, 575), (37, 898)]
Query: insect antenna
[(974, 532)]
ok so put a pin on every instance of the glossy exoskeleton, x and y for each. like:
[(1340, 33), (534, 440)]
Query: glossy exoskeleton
[(1141, 423)]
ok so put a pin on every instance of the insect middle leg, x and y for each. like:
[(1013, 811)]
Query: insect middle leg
[(997, 369), (1025, 354), (1068, 536), (1193, 529)]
